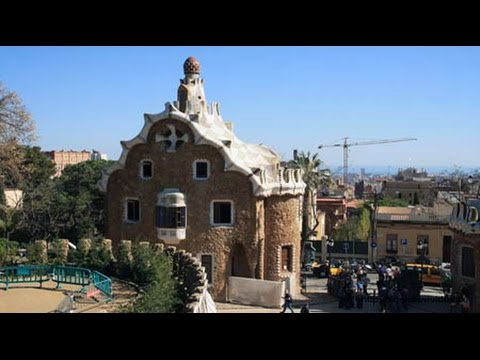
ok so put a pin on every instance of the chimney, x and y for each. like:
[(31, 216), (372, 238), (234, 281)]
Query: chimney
[(295, 154)]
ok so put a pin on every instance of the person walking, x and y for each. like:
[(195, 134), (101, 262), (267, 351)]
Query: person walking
[(305, 309), (287, 303)]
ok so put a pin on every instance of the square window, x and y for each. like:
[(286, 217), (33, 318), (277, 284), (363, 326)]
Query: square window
[(201, 170), (147, 169), (133, 210), (222, 213)]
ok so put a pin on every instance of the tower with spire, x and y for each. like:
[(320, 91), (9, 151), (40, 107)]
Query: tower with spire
[(187, 180)]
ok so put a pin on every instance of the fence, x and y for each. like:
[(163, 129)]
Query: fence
[(58, 274), (349, 247), (24, 274)]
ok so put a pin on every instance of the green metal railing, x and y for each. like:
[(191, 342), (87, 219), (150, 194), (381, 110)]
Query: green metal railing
[(102, 283), (58, 274), (71, 275), (24, 274)]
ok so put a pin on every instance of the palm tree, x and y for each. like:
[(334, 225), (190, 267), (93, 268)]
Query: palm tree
[(315, 179)]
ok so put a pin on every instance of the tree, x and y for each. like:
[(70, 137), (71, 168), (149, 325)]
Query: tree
[(155, 272), (16, 123), (387, 202), (315, 179), (41, 204), (356, 228), (83, 202), (8, 252), (363, 225), (16, 128)]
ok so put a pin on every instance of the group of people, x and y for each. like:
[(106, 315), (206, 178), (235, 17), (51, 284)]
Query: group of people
[(350, 287)]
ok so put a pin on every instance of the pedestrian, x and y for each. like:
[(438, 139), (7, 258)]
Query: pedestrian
[(288, 302), (305, 309)]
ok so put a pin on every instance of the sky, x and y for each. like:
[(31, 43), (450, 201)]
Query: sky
[(284, 97)]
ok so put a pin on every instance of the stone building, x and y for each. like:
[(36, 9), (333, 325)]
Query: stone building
[(465, 263), (412, 192), (187, 180), (63, 158)]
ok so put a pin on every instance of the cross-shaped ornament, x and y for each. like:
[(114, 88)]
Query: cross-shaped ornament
[(172, 138)]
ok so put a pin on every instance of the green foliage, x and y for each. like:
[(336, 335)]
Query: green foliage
[(9, 217), (35, 254), (160, 295), (98, 258), (143, 270), (356, 228), (40, 208), (315, 179), (8, 252), (124, 264), (83, 202), (57, 253), (363, 225), (2, 194), (41, 168), (313, 176), (70, 206), (393, 202)]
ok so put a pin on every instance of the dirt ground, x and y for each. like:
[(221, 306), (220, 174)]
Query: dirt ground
[(30, 298)]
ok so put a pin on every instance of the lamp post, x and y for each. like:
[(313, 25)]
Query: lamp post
[(329, 253), (421, 246), (373, 230)]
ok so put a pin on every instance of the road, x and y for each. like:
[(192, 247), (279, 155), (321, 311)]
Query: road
[(320, 301)]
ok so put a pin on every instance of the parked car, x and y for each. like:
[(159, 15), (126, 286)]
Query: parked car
[(320, 269)]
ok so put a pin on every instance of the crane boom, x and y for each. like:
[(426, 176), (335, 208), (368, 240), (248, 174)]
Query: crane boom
[(346, 145)]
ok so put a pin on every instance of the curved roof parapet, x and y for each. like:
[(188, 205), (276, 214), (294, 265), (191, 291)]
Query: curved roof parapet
[(238, 155), (465, 218)]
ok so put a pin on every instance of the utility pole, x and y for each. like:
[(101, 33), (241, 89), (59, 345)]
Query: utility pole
[(374, 223)]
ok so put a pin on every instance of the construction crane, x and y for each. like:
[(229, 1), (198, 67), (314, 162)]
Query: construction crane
[(346, 145)]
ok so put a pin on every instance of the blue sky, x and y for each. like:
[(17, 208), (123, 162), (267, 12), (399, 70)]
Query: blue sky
[(285, 97)]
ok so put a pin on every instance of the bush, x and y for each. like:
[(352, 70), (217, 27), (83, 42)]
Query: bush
[(35, 253), (8, 252), (98, 258), (160, 295)]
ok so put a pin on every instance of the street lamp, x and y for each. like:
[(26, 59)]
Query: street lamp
[(329, 248), (422, 247), (373, 221)]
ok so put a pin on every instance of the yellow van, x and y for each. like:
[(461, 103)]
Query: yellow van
[(431, 274)]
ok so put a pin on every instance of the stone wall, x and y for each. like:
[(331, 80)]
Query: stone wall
[(458, 280), (255, 292), (201, 237), (186, 269), (282, 228)]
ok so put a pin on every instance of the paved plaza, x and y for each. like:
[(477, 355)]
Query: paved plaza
[(320, 301)]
